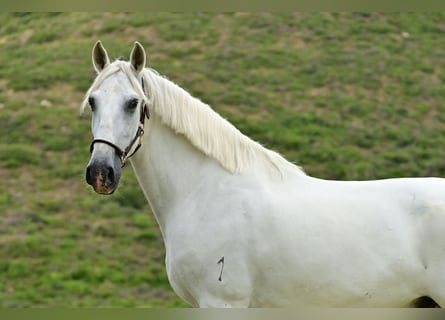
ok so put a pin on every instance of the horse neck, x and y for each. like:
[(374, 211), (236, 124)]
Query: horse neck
[(169, 169)]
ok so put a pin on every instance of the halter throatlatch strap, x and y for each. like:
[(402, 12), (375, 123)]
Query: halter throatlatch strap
[(127, 153)]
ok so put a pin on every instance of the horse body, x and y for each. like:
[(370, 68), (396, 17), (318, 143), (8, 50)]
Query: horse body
[(244, 227), (291, 241)]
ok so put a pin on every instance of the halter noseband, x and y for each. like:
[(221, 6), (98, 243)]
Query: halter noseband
[(126, 154)]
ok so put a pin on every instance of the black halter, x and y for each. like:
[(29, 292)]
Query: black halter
[(125, 154)]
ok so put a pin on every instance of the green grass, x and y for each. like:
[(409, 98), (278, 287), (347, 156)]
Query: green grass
[(345, 95)]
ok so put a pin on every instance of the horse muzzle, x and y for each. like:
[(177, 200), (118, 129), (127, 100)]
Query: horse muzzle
[(103, 177)]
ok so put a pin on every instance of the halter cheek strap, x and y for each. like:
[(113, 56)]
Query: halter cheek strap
[(136, 141)]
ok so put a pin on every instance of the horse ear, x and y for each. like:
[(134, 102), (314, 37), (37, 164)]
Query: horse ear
[(100, 57), (137, 57)]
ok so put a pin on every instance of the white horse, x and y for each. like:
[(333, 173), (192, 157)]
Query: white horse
[(242, 226)]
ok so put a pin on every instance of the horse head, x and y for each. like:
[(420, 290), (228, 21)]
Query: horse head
[(119, 108)]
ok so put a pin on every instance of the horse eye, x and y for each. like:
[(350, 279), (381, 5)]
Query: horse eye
[(92, 103), (132, 104)]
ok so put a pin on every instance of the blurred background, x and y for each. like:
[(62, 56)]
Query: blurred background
[(348, 96)]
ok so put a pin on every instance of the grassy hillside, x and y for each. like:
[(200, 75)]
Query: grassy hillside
[(347, 96)]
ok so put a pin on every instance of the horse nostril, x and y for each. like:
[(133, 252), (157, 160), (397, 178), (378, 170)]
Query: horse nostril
[(110, 174), (88, 176)]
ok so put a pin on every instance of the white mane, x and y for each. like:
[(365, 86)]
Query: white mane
[(197, 121)]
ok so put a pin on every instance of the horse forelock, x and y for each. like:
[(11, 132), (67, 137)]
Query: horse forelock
[(110, 70)]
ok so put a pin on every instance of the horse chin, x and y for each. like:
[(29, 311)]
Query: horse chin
[(105, 187), (103, 190), (105, 193)]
